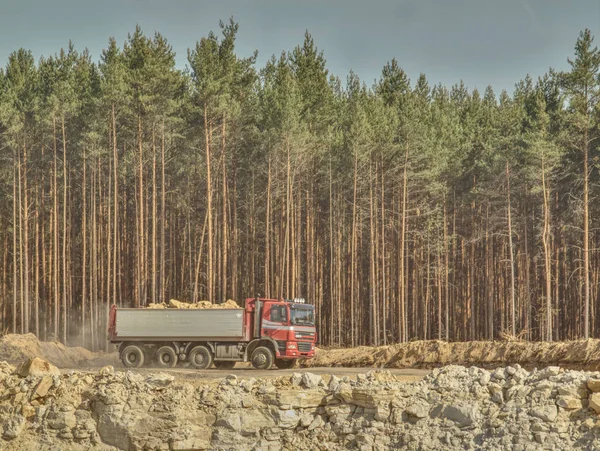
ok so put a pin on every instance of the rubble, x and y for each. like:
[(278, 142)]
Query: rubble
[(452, 408)]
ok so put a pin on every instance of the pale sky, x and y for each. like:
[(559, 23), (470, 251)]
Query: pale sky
[(482, 42)]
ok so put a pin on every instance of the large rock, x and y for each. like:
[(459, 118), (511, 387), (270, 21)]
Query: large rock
[(230, 420), (593, 385), (37, 367), (462, 414), (549, 371), (107, 370), (418, 409), (247, 422), (13, 427), (174, 303), (546, 413), (286, 419), (160, 380), (310, 380), (62, 420), (191, 443), (302, 399), (41, 389), (569, 402), (334, 383), (317, 423), (595, 402), (363, 397), (574, 391), (112, 428)]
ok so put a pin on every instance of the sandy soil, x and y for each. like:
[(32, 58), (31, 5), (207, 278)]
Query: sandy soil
[(15, 348), (581, 355)]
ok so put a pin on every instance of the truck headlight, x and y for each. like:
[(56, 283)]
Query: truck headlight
[(291, 346)]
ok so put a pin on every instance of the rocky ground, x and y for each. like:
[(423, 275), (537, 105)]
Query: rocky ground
[(452, 408)]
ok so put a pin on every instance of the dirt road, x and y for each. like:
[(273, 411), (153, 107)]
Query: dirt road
[(246, 372)]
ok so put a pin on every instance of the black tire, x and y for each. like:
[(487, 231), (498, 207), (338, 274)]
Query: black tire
[(285, 364), (165, 357), (262, 358), (200, 357), (132, 356), (224, 365)]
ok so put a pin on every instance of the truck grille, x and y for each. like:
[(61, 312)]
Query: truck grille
[(304, 347)]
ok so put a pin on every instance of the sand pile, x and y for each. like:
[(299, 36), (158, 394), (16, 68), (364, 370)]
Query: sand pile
[(16, 348), (582, 354), (173, 303)]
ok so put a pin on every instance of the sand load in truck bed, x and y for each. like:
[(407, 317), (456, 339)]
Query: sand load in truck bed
[(173, 303)]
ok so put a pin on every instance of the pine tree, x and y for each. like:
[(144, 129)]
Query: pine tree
[(582, 86)]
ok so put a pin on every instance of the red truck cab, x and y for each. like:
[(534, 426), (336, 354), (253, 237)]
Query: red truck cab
[(289, 324)]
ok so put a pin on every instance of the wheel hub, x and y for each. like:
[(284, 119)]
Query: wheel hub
[(260, 359)]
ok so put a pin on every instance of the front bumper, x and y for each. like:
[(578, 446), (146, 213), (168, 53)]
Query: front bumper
[(297, 352)]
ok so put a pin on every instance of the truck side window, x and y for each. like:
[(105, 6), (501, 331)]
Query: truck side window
[(278, 314)]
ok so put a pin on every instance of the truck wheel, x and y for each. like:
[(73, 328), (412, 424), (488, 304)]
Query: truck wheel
[(132, 356), (224, 365), (165, 357), (200, 357), (262, 358), (285, 364)]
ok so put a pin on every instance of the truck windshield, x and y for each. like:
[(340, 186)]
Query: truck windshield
[(302, 315)]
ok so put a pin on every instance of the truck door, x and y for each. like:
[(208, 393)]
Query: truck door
[(275, 322)]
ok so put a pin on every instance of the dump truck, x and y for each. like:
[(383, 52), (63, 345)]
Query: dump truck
[(265, 332)]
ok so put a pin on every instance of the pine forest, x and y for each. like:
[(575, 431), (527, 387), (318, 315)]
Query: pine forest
[(402, 210)]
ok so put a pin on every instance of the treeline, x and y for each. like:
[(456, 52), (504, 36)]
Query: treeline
[(401, 210)]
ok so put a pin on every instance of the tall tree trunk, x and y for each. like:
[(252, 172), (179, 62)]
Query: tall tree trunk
[(26, 236), (511, 253), (384, 299), (14, 248), (586, 236), (163, 195), (547, 252), (141, 220), (353, 269), (64, 239), (210, 269), (154, 220), (116, 275), (402, 275), (21, 271), (224, 231), (84, 253), (56, 244), (268, 233)]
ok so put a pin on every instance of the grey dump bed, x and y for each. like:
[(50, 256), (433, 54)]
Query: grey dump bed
[(179, 324)]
